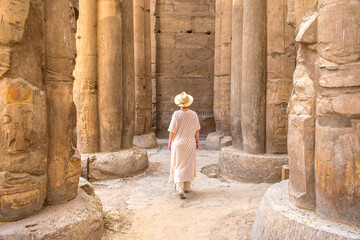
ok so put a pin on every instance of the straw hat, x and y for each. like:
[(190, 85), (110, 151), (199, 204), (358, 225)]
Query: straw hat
[(183, 99)]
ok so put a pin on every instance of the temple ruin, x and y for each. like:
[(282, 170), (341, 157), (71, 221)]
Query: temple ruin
[(86, 95)]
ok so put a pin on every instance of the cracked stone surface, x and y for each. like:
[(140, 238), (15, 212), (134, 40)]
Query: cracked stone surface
[(145, 207)]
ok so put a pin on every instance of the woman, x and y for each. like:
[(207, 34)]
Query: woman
[(183, 142)]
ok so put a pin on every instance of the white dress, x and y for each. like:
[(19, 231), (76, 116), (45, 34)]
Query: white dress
[(183, 147)]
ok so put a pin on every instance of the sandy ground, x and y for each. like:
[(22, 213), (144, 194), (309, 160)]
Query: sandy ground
[(145, 207)]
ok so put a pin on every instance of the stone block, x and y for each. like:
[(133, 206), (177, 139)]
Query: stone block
[(193, 56), (337, 169), (278, 219), (191, 70), (339, 46), (165, 40), (147, 141), (77, 219), (194, 40), (213, 141), (333, 75), (164, 55), (253, 168), (88, 188), (301, 145), (114, 165), (285, 172), (166, 69), (178, 25), (164, 10), (185, 9), (204, 25), (226, 141)]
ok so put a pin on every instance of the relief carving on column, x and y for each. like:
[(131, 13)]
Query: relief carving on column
[(23, 149), (324, 110)]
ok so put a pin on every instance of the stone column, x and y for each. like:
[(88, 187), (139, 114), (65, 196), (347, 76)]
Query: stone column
[(280, 69), (110, 81), (222, 70), (217, 64), (29, 144), (225, 67), (139, 57), (236, 72), (253, 92), (142, 56), (148, 52), (337, 134), (23, 135), (301, 136), (115, 157), (128, 74), (86, 77), (323, 140), (63, 158), (259, 34), (153, 61)]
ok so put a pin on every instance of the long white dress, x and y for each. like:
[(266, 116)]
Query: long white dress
[(183, 147)]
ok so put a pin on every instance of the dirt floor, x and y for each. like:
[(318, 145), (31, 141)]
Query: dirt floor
[(145, 207)]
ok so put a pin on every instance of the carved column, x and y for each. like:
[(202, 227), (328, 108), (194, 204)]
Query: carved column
[(148, 52), (23, 135), (139, 65), (143, 86), (115, 98), (324, 135), (128, 73), (37, 136), (301, 136), (253, 93), (222, 71), (225, 67), (236, 72), (280, 68), (110, 81), (337, 134), (217, 65), (63, 159), (262, 65), (153, 61), (86, 77)]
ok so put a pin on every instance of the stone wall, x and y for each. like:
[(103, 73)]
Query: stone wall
[(185, 59)]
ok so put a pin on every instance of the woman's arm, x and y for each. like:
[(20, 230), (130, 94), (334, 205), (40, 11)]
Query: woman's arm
[(197, 134), (171, 136)]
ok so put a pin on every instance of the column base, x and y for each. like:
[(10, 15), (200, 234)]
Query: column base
[(114, 165), (76, 219), (146, 141), (277, 218), (252, 168), (216, 141)]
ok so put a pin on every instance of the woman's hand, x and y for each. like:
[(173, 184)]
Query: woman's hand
[(197, 135), (171, 136)]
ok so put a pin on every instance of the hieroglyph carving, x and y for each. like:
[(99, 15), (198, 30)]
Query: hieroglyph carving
[(23, 147)]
